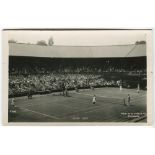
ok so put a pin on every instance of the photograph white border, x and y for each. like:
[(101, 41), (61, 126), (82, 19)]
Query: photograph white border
[(149, 49)]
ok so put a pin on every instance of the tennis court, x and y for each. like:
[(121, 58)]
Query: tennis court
[(78, 107)]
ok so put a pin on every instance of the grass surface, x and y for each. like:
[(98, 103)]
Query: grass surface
[(78, 107)]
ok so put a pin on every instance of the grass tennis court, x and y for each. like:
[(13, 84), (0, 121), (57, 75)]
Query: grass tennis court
[(78, 107)]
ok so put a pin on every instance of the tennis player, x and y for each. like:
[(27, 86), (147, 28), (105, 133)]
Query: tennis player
[(94, 99)]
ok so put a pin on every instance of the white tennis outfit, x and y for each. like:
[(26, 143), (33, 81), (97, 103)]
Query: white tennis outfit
[(94, 99)]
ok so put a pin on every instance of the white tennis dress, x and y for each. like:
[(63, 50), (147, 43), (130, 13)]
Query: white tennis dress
[(94, 99)]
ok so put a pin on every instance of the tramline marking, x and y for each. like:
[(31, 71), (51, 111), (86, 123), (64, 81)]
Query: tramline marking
[(99, 96), (36, 112)]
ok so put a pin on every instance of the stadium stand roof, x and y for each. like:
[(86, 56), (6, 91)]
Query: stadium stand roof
[(132, 50)]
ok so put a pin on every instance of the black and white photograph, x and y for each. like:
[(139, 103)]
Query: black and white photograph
[(77, 76)]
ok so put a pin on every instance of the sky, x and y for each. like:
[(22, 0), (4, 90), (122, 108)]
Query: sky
[(80, 38)]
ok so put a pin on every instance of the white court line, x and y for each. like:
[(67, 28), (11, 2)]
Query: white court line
[(108, 96), (101, 107), (53, 117), (91, 109), (99, 96), (31, 104), (87, 110)]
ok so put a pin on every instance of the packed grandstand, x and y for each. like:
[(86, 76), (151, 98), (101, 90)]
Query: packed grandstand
[(46, 69)]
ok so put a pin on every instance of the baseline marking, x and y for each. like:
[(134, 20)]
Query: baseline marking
[(136, 97), (99, 96)]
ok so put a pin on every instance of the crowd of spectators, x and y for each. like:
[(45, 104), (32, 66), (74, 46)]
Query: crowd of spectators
[(21, 84), (39, 75)]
